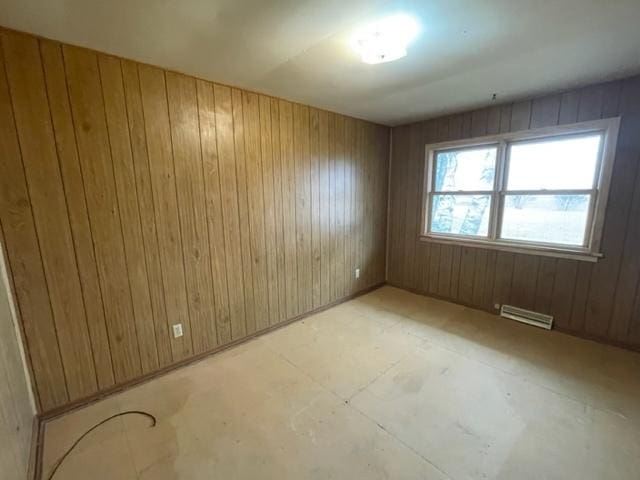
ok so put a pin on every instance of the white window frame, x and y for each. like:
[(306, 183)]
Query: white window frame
[(599, 192)]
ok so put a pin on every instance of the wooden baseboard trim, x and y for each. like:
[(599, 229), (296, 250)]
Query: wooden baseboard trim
[(439, 297), (566, 331), (45, 417)]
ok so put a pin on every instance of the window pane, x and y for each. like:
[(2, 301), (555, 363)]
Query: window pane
[(461, 214), (560, 219), (468, 169), (558, 164)]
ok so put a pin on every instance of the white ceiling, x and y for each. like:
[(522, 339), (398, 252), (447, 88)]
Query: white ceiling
[(299, 49)]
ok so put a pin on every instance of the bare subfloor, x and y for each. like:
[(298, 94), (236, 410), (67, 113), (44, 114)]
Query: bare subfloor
[(390, 385)]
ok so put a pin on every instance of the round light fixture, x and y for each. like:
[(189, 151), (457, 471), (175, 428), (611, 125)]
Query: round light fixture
[(385, 40)]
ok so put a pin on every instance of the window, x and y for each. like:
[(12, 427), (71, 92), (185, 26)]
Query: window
[(541, 190)]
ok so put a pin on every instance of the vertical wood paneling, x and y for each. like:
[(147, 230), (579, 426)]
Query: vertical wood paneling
[(545, 111), (489, 281), (569, 103), (590, 108), (211, 177), (505, 118), (520, 116), (358, 174), (16, 408), (134, 199), (44, 181), (230, 215), (384, 161), (523, 283), (467, 270), (544, 285), (599, 299), (243, 210), (456, 259), (364, 202), (493, 121), (289, 207), (89, 117), (427, 254), (324, 172), (628, 281), (271, 237), (278, 179), (165, 204), (372, 149), (333, 223), (255, 194), (380, 152), (606, 273), (140, 157), (120, 143), (187, 160), (410, 198), (53, 66), (358, 209), (301, 138), (563, 289), (396, 228), (316, 281), (25, 261), (340, 201), (479, 281), (351, 229)]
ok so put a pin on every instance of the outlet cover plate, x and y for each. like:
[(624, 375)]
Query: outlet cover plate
[(177, 330)]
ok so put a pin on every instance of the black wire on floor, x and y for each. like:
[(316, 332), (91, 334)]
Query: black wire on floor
[(75, 444)]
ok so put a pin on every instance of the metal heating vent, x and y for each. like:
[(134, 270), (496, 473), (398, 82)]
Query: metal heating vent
[(527, 316)]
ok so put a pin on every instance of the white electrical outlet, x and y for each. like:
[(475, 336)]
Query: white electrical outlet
[(357, 273), (496, 306), (177, 330)]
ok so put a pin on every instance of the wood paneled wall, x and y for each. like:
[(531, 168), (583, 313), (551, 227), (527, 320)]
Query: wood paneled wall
[(134, 198), (599, 300), (16, 407)]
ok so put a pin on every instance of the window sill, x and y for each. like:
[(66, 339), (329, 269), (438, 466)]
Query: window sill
[(540, 250)]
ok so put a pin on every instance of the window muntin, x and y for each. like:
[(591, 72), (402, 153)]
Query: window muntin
[(539, 189)]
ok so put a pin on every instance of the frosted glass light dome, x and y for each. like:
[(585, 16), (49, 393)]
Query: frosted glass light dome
[(385, 40)]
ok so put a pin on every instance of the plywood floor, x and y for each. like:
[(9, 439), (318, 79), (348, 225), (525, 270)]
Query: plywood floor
[(390, 385)]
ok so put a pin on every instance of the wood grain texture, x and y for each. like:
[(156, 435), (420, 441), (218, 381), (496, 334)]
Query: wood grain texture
[(77, 209), (39, 157), (25, 260), (278, 192), (255, 194), (238, 134), (213, 208), (598, 300), (16, 407), (231, 220), (187, 164), (135, 198), (288, 175), (301, 140), (88, 111), (123, 170)]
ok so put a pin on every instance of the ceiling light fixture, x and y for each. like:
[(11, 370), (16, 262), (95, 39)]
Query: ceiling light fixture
[(385, 40)]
